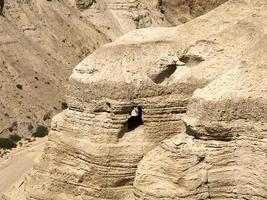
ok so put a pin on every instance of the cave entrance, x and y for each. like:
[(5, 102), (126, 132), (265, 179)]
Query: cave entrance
[(135, 119)]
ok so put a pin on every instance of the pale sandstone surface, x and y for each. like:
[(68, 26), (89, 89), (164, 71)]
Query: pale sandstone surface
[(222, 153), (93, 151), (41, 41)]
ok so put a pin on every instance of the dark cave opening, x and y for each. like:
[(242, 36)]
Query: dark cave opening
[(136, 118)]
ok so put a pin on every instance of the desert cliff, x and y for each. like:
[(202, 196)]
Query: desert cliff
[(164, 112), (42, 41)]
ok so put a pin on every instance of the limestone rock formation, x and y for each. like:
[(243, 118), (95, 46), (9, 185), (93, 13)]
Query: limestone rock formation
[(41, 41), (222, 153), (127, 102)]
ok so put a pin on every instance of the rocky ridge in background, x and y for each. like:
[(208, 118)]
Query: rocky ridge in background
[(128, 103), (126, 15), (41, 41)]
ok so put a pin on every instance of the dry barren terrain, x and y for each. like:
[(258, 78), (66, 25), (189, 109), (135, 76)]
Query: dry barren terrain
[(167, 99)]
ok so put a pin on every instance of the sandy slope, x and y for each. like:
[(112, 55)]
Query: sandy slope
[(40, 42), (18, 162)]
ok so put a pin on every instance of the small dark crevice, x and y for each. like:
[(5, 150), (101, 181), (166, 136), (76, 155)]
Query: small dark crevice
[(160, 2), (191, 132), (2, 4), (124, 182), (170, 69), (64, 105), (208, 135), (191, 60), (77, 109), (80, 180), (21, 184), (201, 159), (47, 116), (19, 86)]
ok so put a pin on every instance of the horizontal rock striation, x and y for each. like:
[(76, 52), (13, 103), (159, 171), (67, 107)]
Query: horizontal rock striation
[(95, 146), (130, 95), (40, 43), (222, 153), (96, 152)]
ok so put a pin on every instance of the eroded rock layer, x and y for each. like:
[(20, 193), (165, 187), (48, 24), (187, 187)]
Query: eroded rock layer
[(41, 41), (130, 95), (222, 154)]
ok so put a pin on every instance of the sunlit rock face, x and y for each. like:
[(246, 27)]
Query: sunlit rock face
[(222, 153), (96, 144), (42, 40), (127, 102)]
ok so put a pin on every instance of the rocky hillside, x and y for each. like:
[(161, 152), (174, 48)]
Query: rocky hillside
[(41, 41), (164, 113)]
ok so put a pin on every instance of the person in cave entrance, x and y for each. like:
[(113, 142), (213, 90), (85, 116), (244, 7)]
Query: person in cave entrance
[(2, 3)]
